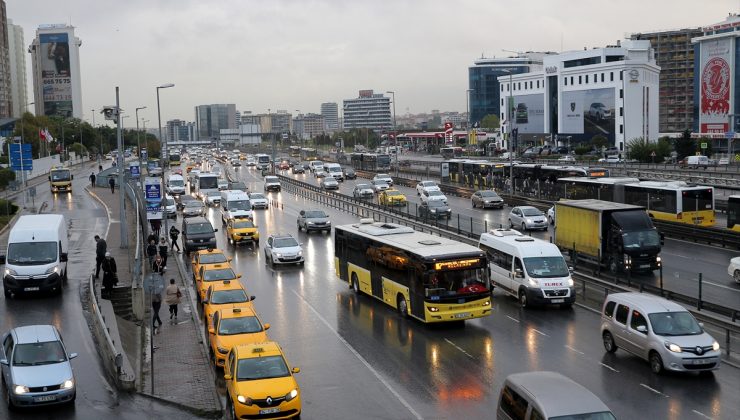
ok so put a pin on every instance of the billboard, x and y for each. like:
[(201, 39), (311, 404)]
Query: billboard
[(529, 113), (715, 82), (588, 112), (56, 76)]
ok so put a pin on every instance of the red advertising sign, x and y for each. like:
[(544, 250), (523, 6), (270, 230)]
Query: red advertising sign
[(715, 79)]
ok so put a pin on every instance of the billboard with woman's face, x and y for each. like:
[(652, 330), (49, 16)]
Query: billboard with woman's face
[(55, 74)]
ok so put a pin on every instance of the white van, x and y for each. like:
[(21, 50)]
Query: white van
[(235, 204), (315, 165), (334, 170), (532, 270), (36, 259), (175, 185), (697, 161)]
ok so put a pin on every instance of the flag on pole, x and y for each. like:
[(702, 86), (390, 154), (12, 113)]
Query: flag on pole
[(42, 135), (47, 135)]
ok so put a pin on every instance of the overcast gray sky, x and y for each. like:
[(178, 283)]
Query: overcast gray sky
[(296, 54)]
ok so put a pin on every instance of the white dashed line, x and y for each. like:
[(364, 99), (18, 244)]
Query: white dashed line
[(703, 415), (457, 347), (654, 390), (513, 319), (609, 367), (571, 348), (540, 332)]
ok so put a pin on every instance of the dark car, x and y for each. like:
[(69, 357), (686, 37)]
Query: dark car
[(183, 199), (561, 150), (434, 209), (349, 173), (197, 233), (486, 198), (313, 220), (298, 169)]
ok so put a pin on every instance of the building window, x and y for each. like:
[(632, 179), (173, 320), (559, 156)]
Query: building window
[(596, 78), (571, 80), (621, 111), (502, 116), (502, 102), (565, 79), (621, 75), (519, 86), (502, 87), (611, 76), (586, 79), (580, 79), (621, 129), (602, 77), (621, 94)]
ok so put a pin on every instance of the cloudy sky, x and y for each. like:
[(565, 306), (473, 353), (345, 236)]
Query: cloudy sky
[(296, 54)]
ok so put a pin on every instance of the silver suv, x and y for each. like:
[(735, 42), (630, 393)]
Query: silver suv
[(659, 331)]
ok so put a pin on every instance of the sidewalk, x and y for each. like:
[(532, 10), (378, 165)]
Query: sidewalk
[(179, 371)]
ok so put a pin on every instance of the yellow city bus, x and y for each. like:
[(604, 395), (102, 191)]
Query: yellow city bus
[(60, 179), (174, 159), (427, 277), (295, 151), (733, 212)]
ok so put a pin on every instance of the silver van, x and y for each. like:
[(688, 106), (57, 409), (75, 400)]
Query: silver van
[(659, 331), (548, 395)]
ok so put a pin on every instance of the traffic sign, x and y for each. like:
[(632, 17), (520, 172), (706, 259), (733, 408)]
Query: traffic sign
[(730, 135), (704, 145), (21, 158), (737, 157), (653, 153)]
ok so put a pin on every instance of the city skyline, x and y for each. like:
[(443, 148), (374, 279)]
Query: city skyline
[(294, 55)]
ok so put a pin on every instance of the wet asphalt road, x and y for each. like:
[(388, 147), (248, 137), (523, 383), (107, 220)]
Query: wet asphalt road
[(96, 397), (358, 359)]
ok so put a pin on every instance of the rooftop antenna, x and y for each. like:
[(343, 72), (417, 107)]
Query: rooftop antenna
[(515, 52)]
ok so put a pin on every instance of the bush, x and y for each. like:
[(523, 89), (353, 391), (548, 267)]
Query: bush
[(582, 150), (6, 175), (4, 160), (7, 208)]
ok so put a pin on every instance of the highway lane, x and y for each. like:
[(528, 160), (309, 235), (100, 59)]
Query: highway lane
[(354, 351), (96, 397)]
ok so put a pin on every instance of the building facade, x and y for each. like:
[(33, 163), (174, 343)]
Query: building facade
[(55, 62), (18, 80), (330, 112), (281, 122), (6, 103), (242, 136), (180, 131), (483, 82), (368, 110), (610, 92), (211, 119), (309, 125), (674, 54)]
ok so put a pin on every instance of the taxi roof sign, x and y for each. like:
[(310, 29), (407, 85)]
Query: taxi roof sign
[(258, 350)]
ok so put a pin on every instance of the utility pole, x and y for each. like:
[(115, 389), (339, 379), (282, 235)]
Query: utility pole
[(121, 194)]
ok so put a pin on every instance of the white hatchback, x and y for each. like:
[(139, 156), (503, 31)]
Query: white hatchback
[(426, 185)]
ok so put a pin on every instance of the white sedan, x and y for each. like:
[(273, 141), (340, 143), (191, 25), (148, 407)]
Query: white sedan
[(426, 185), (258, 201), (379, 185), (734, 269), (385, 178), (433, 195)]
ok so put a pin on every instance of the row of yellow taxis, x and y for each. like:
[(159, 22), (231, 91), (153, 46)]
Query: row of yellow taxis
[(259, 380)]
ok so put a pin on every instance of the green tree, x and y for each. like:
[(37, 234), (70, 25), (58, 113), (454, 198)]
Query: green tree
[(78, 149), (599, 141), (6, 175), (582, 150), (708, 151), (663, 149), (684, 145), (491, 122), (640, 149)]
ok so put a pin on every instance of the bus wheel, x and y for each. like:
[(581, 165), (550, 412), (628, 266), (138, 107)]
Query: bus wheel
[(403, 308), (355, 284)]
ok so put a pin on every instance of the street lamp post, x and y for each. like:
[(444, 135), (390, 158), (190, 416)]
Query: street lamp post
[(119, 158), (395, 133), (163, 150), (138, 136), (467, 111)]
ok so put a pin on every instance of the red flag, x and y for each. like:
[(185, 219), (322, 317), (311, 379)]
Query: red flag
[(42, 135)]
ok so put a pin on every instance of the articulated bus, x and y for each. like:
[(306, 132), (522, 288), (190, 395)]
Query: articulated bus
[(174, 159), (371, 161), (295, 151), (427, 277), (674, 201), (733, 212), (475, 172)]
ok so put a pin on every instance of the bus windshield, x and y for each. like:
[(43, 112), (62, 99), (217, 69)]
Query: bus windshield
[(62, 175), (209, 182), (456, 282), (263, 159)]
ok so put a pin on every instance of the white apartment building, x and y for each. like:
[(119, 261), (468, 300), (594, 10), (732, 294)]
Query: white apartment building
[(368, 110), (18, 80), (330, 112)]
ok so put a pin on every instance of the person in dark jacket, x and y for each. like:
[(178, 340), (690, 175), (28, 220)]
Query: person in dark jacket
[(92, 179), (156, 305), (110, 275), (158, 265), (174, 234), (163, 251), (151, 251), (112, 183), (100, 248)]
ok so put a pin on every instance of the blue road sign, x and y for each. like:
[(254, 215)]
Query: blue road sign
[(134, 171), (729, 134), (21, 158)]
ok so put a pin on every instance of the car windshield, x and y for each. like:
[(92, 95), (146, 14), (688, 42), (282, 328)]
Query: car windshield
[(428, 184), (330, 181), (177, 183), (641, 239), (170, 201), (531, 211), (241, 325), (219, 274), (362, 186), (315, 214), (674, 323), (335, 169), (198, 228), (34, 354), (271, 179), (31, 253), (488, 194), (546, 267), (393, 193), (194, 204), (240, 205), (60, 175), (221, 297), (213, 194), (436, 204), (285, 242), (379, 182), (261, 368), (256, 196), (243, 224), (603, 415), (434, 193), (212, 258)]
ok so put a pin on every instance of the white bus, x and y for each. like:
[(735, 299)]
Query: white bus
[(205, 183), (530, 269), (263, 161)]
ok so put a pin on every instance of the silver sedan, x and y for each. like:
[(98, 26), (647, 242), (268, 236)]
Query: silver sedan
[(528, 218)]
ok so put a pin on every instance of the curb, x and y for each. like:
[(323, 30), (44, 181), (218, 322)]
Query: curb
[(12, 220), (196, 411), (107, 209)]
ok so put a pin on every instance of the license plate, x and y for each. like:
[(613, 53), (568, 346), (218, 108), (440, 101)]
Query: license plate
[(462, 315), (270, 411), (30, 289), (558, 300), (45, 398), (702, 362), (644, 265)]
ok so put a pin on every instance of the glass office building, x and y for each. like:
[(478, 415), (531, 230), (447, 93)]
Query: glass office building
[(211, 119)]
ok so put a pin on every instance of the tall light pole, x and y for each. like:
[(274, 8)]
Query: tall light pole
[(162, 140), (138, 136), (395, 134), (467, 113), (119, 158)]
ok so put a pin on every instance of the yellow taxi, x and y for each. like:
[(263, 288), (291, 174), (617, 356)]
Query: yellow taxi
[(221, 294), (242, 230), (242, 156), (391, 197), (205, 257), (231, 327), (211, 273), (260, 383), (190, 166)]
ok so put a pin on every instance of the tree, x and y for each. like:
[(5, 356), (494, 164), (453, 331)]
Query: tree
[(582, 150), (641, 150), (708, 151), (78, 149), (685, 145), (599, 141), (6, 175), (490, 121)]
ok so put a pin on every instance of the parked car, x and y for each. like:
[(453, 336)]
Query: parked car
[(309, 220), (363, 191), (422, 185), (283, 249), (434, 209), (486, 198), (385, 178), (329, 183), (734, 269), (527, 217), (349, 173)]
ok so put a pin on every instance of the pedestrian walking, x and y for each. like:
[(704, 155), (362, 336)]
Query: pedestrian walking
[(172, 295), (112, 183), (100, 248), (110, 275), (158, 265), (151, 251), (163, 251), (156, 226), (92, 179), (156, 306), (174, 233), (100, 168)]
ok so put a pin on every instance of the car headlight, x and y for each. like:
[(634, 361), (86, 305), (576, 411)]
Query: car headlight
[(433, 211), (528, 220), (571, 283), (715, 346), (328, 222), (51, 270), (244, 400), (433, 309), (20, 389), (222, 350), (68, 384), (658, 259), (672, 347), (10, 272), (532, 282), (300, 253), (279, 255), (290, 395)]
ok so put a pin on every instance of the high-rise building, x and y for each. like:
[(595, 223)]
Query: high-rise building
[(674, 54), (483, 81), (330, 112), (368, 110), (309, 125), (211, 119), (281, 122), (180, 131), (6, 104), (18, 81), (55, 59)]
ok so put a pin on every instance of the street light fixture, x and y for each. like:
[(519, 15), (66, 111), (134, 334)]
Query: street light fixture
[(138, 136), (395, 133)]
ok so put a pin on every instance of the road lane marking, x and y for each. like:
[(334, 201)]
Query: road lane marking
[(703, 415), (539, 332), (361, 359), (573, 349), (721, 285), (654, 390), (609, 367), (457, 347), (513, 319)]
